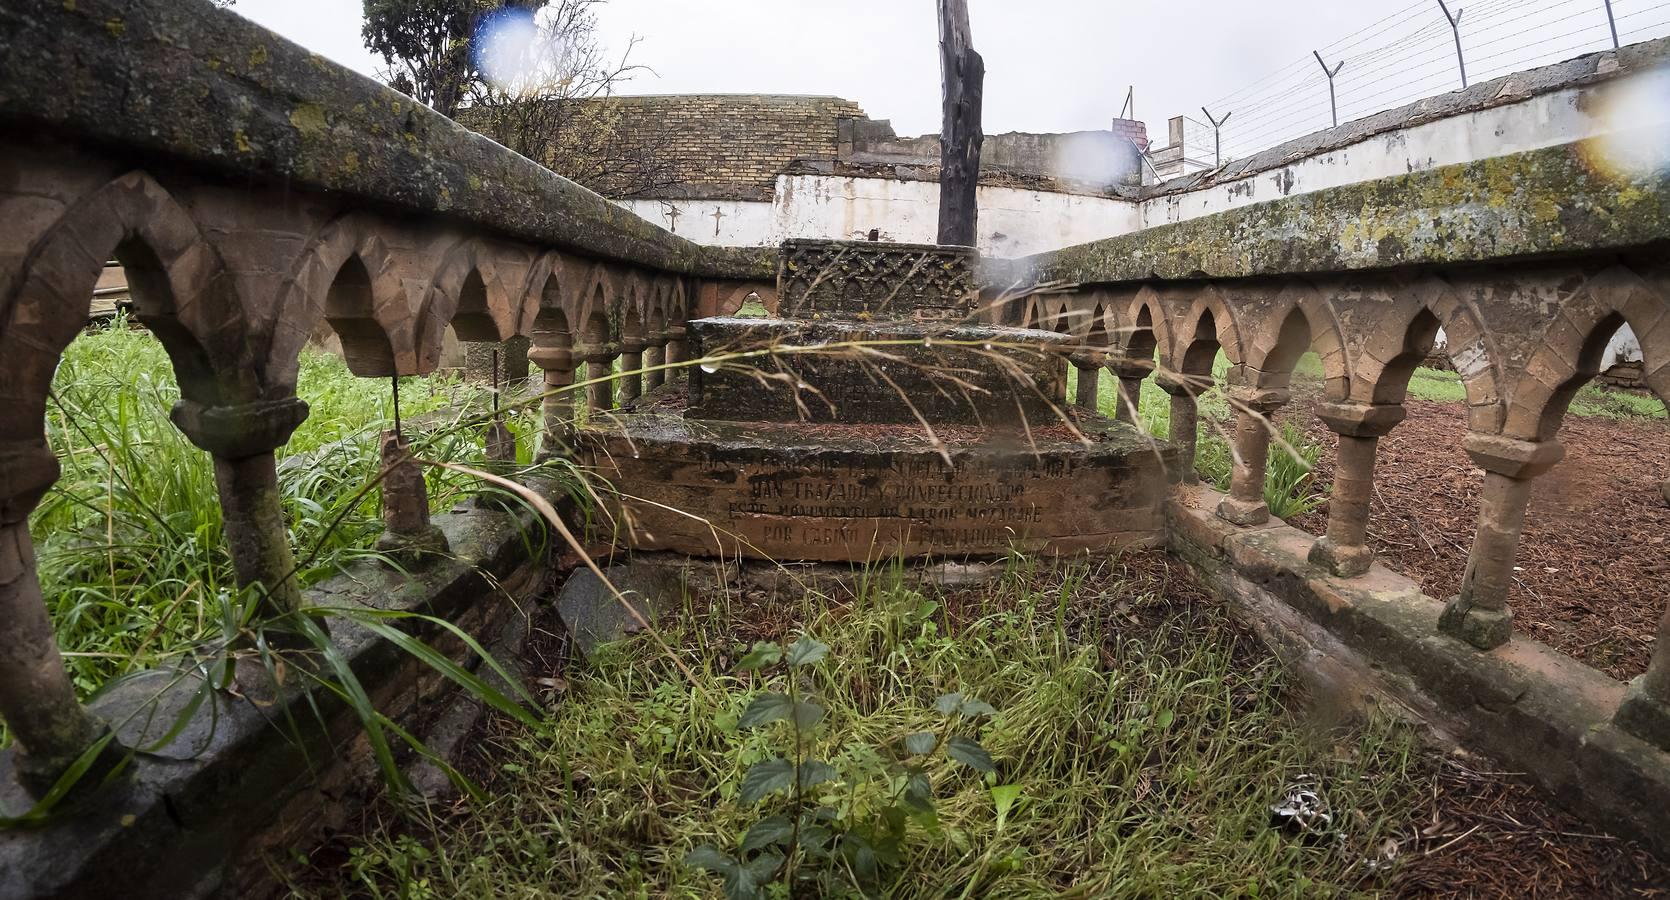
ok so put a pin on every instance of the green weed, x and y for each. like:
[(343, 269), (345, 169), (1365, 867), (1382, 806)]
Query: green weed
[(1137, 748)]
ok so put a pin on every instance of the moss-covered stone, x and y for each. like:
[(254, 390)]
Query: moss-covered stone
[(1541, 203), (208, 90)]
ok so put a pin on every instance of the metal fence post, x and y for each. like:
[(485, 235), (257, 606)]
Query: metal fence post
[(1333, 105), (1217, 140), (1455, 31)]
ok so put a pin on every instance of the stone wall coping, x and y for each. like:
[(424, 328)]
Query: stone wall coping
[(1539, 203), (185, 84)]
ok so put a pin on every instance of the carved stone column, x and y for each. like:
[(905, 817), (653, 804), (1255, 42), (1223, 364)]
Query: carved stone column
[(408, 535), (1130, 372), (242, 440), (1089, 364), (50, 729), (1245, 503), (1645, 711), (1344, 550), (654, 354), (1185, 391), (600, 395), (631, 360), (557, 402), (677, 350), (1479, 614)]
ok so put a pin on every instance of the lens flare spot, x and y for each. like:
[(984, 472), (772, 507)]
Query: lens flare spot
[(1635, 113)]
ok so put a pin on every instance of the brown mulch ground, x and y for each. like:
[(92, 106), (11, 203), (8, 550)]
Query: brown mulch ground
[(1594, 560)]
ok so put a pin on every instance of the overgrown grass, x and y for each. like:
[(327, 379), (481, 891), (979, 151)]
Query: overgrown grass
[(132, 557), (1148, 741)]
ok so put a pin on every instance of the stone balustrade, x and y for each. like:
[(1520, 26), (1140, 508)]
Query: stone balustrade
[(258, 197), (1527, 263)]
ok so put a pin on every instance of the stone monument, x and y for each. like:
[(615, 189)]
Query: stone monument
[(876, 416)]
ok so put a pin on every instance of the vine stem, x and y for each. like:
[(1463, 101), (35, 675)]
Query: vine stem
[(797, 804)]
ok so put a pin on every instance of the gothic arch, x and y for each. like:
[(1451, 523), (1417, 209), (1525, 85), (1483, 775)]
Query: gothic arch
[(381, 325), (1381, 369), (1569, 353), (1276, 344), (181, 291)]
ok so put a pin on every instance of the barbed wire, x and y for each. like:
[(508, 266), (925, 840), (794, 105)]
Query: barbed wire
[(1410, 54)]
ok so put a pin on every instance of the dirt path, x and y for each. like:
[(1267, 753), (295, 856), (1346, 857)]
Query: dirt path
[(1595, 557)]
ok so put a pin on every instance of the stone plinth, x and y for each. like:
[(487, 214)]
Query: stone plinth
[(792, 491), (904, 372)]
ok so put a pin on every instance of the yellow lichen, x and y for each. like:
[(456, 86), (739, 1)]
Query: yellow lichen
[(257, 56), (241, 140), (115, 26), (309, 118)]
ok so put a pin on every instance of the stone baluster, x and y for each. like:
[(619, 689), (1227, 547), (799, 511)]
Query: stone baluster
[(243, 440), (1645, 711), (654, 354), (1245, 504), (1130, 373), (49, 727), (408, 535), (1479, 614), (557, 402), (1344, 550), (678, 350), (1089, 364), (1185, 392), (631, 361), (600, 395)]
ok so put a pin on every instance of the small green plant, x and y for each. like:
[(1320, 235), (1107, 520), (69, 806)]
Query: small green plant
[(832, 829), (1289, 489)]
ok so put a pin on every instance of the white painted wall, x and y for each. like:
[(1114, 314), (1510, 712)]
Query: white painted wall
[(1016, 222), (1542, 121), (729, 223), (1013, 221)]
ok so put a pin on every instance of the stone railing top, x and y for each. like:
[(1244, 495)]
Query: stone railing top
[(1549, 202), (180, 82)]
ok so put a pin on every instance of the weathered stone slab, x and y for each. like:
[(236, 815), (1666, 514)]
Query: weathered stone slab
[(594, 615), (906, 372), (859, 280), (861, 493)]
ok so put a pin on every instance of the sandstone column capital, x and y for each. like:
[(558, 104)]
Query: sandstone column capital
[(242, 431), (1125, 367), (1260, 400), (1177, 384), (1512, 457), (560, 359), (1361, 419)]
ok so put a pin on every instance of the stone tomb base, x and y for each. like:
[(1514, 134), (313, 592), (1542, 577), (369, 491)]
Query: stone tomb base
[(838, 493)]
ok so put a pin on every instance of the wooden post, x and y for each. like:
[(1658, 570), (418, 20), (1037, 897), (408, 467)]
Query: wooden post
[(963, 76)]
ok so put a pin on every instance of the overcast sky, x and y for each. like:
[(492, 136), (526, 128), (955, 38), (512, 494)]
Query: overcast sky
[(1061, 65)]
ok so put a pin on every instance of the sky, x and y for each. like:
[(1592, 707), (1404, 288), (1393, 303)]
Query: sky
[(1064, 65)]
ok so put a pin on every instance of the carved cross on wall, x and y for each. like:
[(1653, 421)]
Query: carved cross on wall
[(717, 215), (672, 215)]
